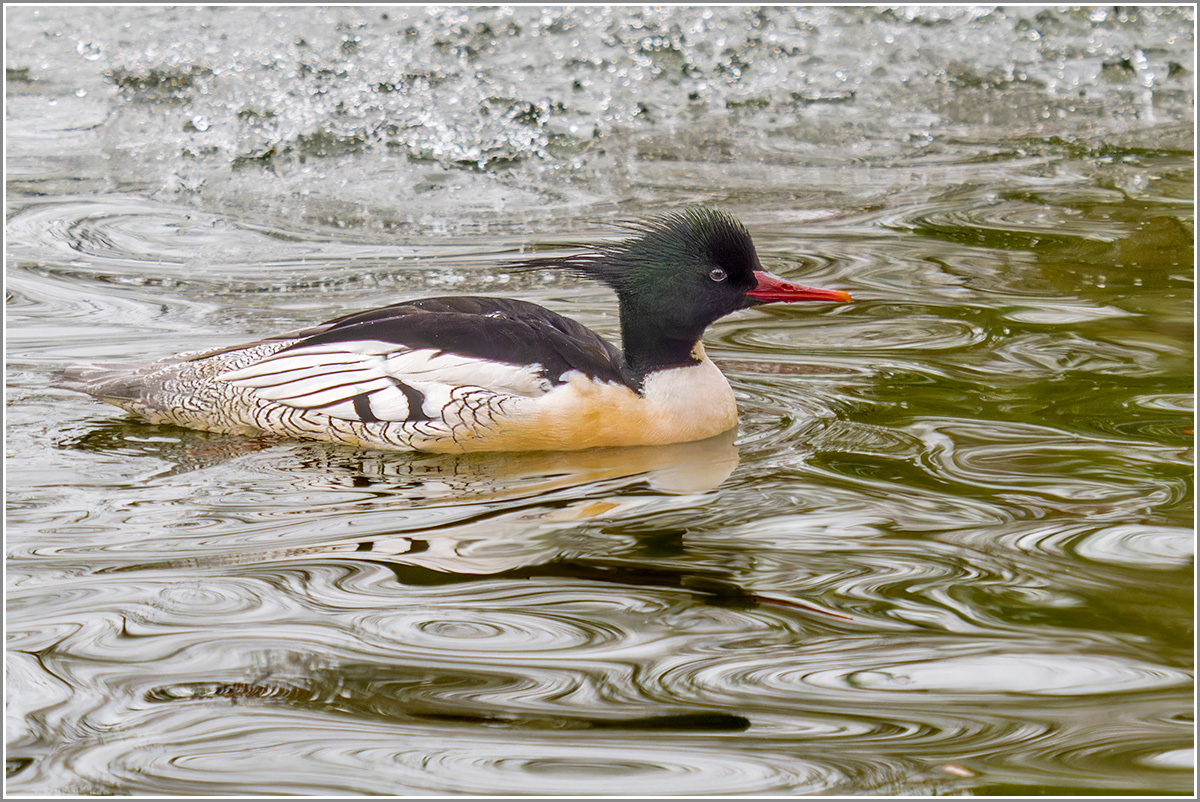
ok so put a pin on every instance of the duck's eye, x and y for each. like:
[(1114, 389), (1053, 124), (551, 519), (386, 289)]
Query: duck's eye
[(717, 274)]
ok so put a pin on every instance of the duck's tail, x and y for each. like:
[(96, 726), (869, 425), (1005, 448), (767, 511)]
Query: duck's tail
[(114, 382), (184, 390)]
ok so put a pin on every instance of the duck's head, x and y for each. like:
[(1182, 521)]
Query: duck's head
[(699, 261), (678, 273)]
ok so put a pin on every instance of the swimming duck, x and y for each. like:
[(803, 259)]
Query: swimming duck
[(455, 374)]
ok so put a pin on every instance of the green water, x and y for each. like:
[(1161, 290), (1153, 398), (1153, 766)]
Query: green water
[(948, 550)]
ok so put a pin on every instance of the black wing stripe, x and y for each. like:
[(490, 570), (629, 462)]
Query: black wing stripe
[(362, 408), (416, 401)]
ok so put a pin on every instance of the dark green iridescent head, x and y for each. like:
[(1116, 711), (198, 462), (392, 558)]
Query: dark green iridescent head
[(678, 273), (685, 269)]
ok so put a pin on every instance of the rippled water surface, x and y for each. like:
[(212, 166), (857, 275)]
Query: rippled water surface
[(949, 548)]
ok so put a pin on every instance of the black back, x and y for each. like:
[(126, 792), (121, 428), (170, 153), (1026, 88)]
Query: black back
[(496, 329)]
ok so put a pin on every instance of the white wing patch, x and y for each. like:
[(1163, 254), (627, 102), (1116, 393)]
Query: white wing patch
[(373, 380)]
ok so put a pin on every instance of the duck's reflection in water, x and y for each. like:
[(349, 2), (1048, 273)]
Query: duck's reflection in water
[(419, 477), (433, 518), (677, 468)]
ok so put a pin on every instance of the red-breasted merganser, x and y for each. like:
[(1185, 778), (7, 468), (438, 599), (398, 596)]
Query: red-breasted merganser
[(458, 374)]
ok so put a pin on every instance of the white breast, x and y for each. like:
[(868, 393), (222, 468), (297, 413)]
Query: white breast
[(677, 405)]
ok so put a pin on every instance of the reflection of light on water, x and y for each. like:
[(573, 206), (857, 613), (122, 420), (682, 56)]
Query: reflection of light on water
[(1043, 674), (1182, 759), (1148, 546)]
